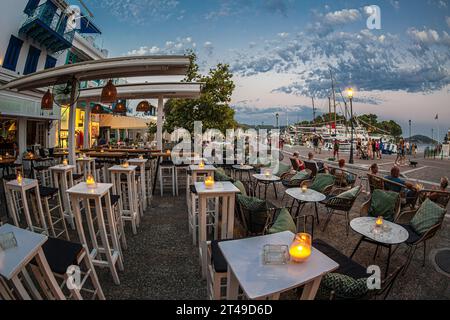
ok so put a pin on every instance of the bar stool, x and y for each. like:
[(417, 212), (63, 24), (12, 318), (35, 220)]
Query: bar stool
[(217, 272), (86, 166), (212, 221), (167, 175), (105, 251), (141, 170), (181, 175), (127, 190), (8, 202), (43, 175), (18, 190), (63, 179), (52, 194), (61, 256)]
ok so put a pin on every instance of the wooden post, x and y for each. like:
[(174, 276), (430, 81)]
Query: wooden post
[(72, 118)]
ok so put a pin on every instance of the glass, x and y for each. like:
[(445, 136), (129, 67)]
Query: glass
[(275, 254), (300, 249)]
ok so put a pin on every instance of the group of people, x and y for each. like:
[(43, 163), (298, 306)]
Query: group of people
[(373, 149)]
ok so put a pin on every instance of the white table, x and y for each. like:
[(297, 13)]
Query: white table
[(13, 262), (227, 192), (310, 196), (266, 180), (258, 281), (110, 247), (22, 188), (63, 179), (388, 235), (141, 163), (197, 175)]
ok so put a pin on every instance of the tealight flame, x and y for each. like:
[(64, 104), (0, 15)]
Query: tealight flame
[(304, 188), (141, 157), (1, 158), (102, 151), (201, 165), (125, 164), (267, 173), (65, 163), (379, 222), (19, 178), (90, 181), (168, 152), (209, 182)]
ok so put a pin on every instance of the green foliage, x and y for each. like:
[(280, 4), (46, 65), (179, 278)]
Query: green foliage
[(212, 108), (152, 128)]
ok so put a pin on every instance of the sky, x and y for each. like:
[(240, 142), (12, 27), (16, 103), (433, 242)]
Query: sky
[(281, 52)]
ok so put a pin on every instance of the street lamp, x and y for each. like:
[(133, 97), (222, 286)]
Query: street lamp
[(278, 116), (410, 136), (350, 97)]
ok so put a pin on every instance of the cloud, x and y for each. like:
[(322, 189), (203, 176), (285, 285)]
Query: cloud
[(341, 17), (209, 48), (429, 37), (247, 113), (283, 35), (277, 6), (229, 8), (140, 11), (178, 46), (447, 19)]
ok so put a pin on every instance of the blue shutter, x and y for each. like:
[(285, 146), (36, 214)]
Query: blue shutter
[(32, 60), (50, 62), (31, 6), (12, 53)]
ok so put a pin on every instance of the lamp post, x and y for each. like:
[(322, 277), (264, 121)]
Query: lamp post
[(410, 136), (350, 97), (277, 116)]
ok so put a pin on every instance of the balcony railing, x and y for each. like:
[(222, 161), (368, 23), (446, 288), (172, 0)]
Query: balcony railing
[(48, 28)]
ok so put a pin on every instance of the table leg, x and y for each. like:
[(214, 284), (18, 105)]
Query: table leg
[(388, 261), (48, 276), (275, 189), (310, 289), (230, 219), (155, 176), (232, 285), (202, 233), (317, 213), (356, 248), (20, 289)]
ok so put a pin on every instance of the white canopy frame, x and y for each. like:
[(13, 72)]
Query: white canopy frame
[(126, 67)]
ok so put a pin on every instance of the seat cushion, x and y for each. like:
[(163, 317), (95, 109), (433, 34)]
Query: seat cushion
[(322, 181), (219, 175), (77, 176), (61, 254), (166, 163), (413, 236), (193, 189), (301, 176), (347, 266), (350, 194), (217, 259), (9, 177), (283, 222), (46, 192), (282, 169), (428, 215), (383, 203), (342, 286), (41, 168), (238, 184)]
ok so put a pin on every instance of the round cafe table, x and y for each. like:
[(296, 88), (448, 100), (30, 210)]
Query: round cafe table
[(303, 197), (266, 181), (388, 235), (239, 169)]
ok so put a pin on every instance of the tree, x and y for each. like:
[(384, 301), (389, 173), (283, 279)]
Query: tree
[(212, 108)]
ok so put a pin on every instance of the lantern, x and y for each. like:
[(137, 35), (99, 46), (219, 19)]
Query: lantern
[(300, 249), (143, 106), (97, 109), (47, 101), (120, 108), (109, 93)]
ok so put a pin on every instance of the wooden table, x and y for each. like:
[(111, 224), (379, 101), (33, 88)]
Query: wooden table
[(227, 192), (14, 261), (258, 281)]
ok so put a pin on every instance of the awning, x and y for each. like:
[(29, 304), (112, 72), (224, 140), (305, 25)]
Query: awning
[(119, 122), (180, 90), (123, 67)]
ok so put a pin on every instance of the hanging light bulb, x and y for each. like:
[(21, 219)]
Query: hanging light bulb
[(109, 93), (47, 101), (120, 108), (143, 106)]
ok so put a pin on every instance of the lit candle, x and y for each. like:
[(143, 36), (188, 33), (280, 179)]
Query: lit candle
[(201, 165), (19, 179), (125, 164), (65, 163), (267, 173), (168, 152), (379, 222), (141, 157), (90, 182), (102, 151), (7, 154), (304, 188), (209, 182), (1, 158), (300, 249)]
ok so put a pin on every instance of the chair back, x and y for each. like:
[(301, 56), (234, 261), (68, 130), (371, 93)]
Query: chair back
[(441, 198), (294, 163), (312, 165), (375, 182), (344, 178)]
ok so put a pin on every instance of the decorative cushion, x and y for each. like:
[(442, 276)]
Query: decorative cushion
[(255, 212), (220, 175), (383, 204), (300, 176), (283, 222), (238, 184), (350, 194), (282, 169), (344, 287), (428, 215), (322, 181)]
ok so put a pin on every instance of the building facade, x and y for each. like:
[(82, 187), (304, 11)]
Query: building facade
[(37, 35)]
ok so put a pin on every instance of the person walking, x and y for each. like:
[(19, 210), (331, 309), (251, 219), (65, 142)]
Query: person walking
[(369, 148), (336, 149)]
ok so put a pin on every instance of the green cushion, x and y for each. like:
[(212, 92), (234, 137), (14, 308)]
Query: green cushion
[(383, 204), (282, 169), (428, 215), (300, 176), (350, 194), (219, 175), (241, 187), (344, 287), (322, 181), (283, 222), (255, 212)]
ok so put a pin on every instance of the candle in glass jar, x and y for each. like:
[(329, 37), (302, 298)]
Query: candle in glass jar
[(201, 165), (209, 182), (168, 152), (267, 173), (19, 178), (141, 157), (1, 158), (65, 163), (125, 164), (300, 249), (379, 222), (304, 188), (90, 182)]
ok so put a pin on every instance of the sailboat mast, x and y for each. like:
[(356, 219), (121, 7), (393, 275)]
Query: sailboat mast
[(314, 114), (329, 112), (334, 101)]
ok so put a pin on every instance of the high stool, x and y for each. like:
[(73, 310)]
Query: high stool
[(54, 220), (77, 178), (167, 175), (42, 174), (8, 202), (217, 272), (211, 211), (100, 172), (141, 170), (61, 256), (86, 166), (14, 191), (103, 249), (63, 180), (127, 190), (181, 175)]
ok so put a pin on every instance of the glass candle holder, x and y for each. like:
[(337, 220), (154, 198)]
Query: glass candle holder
[(19, 179), (304, 188), (379, 222), (267, 174), (201, 165), (300, 249), (90, 182), (65, 163), (125, 164), (209, 183)]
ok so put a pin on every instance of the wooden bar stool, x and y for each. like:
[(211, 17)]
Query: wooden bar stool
[(141, 164), (86, 166), (105, 251), (167, 176), (18, 190), (125, 186), (63, 180)]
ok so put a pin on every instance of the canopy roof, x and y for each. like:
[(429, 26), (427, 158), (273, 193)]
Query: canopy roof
[(181, 90), (123, 67), (119, 122)]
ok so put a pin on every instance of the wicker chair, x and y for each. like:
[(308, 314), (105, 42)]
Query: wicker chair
[(312, 165), (340, 206), (245, 215), (442, 198), (375, 182), (344, 178)]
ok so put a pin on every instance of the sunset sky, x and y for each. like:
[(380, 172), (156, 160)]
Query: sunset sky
[(281, 51)]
